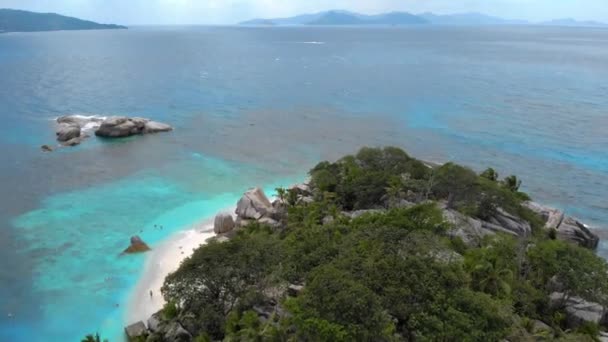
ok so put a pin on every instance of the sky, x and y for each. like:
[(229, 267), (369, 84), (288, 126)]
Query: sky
[(182, 12)]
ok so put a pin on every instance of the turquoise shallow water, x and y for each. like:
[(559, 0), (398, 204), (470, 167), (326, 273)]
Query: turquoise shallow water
[(255, 106), (82, 232)]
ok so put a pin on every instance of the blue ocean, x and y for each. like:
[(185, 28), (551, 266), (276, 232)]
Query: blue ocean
[(260, 106)]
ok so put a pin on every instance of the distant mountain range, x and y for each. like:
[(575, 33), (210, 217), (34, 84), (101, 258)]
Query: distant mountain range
[(24, 21), (339, 17)]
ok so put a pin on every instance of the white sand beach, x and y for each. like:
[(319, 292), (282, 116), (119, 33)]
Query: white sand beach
[(162, 260)]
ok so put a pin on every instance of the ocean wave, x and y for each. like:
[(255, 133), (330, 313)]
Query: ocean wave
[(87, 122), (312, 42)]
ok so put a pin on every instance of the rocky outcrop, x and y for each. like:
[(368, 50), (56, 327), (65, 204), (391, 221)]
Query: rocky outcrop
[(137, 246), (579, 311), (46, 148), (566, 227), (71, 130), (254, 205), (471, 231), (175, 332), (155, 322), (137, 330), (84, 122), (572, 230), (122, 126), (358, 213), (510, 223), (66, 132), (223, 223)]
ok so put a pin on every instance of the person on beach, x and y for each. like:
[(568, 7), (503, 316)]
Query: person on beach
[(151, 294)]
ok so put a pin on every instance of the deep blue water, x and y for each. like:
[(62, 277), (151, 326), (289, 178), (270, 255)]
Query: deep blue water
[(260, 106)]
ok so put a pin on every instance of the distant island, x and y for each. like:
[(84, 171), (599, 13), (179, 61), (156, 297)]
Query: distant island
[(24, 21), (340, 17)]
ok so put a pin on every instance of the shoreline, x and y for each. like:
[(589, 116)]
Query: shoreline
[(163, 259), (166, 257)]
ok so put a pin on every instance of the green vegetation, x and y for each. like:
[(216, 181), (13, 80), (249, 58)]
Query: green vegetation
[(394, 275), (92, 338)]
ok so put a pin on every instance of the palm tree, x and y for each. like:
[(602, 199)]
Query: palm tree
[(492, 279), (512, 183), (91, 338)]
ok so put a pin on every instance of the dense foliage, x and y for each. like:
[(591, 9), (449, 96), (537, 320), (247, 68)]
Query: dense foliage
[(394, 275)]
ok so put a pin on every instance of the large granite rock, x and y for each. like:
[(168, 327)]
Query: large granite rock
[(254, 205), (466, 228), (66, 132), (175, 332), (136, 330), (122, 126), (579, 311), (572, 230), (510, 223), (472, 230), (567, 228), (155, 322), (553, 217), (137, 246), (157, 127), (223, 223)]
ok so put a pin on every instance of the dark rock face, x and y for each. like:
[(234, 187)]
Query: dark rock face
[(122, 126), (567, 228), (136, 330), (137, 246), (572, 230), (46, 148), (175, 332)]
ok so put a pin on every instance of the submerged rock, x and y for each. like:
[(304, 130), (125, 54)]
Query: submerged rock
[(74, 141), (223, 223), (137, 246), (46, 148)]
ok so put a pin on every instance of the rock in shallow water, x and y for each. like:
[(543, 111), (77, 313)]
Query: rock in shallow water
[(567, 228), (46, 148), (137, 246), (122, 126), (67, 132)]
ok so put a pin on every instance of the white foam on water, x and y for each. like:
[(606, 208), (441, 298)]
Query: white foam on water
[(312, 42)]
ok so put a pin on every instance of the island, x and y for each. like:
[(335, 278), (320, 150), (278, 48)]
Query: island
[(347, 18), (25, 21), (380, 246)]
